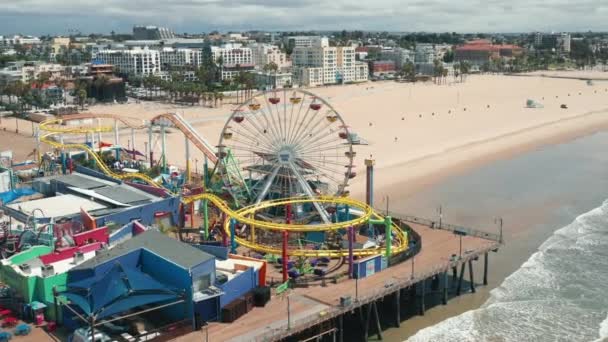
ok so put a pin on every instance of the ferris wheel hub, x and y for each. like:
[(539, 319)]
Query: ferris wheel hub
[(286, 155)]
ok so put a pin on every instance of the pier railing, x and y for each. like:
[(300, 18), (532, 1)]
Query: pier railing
[(446, 226)]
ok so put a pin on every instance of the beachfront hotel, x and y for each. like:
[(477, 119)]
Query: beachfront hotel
[(141, 62), (263, 54), (322, 64), (180, 57), (232, 58)]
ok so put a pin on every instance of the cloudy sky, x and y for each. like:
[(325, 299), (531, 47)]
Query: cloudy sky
[(62, 16)]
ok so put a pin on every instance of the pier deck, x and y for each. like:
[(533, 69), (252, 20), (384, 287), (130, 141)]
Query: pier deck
[(311, 306)]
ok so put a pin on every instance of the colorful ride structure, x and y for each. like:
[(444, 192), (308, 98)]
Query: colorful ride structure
[(280, 181)]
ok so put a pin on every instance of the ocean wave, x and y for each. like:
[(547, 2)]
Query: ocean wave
[(558, 294)]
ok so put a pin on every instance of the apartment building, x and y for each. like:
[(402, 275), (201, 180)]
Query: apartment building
[(29, 71), (323, 64), (10, 42), (305, 41), (170, 57), (263, 54), (398, 55), (141, 62), (232, 58)]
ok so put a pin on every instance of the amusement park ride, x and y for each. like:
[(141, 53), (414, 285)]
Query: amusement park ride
[(280, 181)]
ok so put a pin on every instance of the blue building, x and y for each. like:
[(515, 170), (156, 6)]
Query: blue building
[(108, 201), (157, 260)]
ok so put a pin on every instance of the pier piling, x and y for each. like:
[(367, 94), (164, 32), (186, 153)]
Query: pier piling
[(444, 299), (485, 268), (471, 278), (459, 287), (398, 308), (377, 319), (423, 294), (341, 328)]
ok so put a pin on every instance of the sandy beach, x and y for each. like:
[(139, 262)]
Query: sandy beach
[(419, 132)]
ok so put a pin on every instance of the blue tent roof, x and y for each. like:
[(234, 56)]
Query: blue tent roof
[(119, 289)]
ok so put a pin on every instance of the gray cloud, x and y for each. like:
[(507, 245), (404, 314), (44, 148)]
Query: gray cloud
[(58, 16)]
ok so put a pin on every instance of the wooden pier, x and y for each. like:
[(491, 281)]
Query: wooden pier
[(317, 314)]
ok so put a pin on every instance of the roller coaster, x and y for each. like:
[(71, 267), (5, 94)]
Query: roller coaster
[(278, 149)]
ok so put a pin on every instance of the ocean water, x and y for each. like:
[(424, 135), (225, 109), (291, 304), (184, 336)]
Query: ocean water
[(559, 294)]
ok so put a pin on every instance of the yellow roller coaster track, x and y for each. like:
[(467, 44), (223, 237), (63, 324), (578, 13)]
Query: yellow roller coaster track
[(54, 127), (243, 216)]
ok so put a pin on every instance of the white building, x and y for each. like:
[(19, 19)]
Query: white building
[(232, 58), (361, 71), (305, 41), (398, 55), (263, 54), (10, 42), (142, 62), (425, 54), (564, 42), (29, 71), (271, 80), (170, 57), (323, 64)]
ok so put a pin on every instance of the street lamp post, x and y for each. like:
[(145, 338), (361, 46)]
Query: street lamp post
[(288, 314), (499, 222), (460, 234), (196, 166), (413, 257), (440, 210)]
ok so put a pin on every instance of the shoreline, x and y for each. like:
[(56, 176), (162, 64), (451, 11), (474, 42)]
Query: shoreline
[(458, 159)]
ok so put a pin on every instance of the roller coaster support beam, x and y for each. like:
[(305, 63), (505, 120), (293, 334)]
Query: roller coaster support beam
[(163, 148), (206, 219), (351, 259), (150, 145), (187, 148), (206, 172), (116, 142), (99, 133), (38, 155), (284, 257), (223, 232), (388, 224), (133, 142), (369, 189), (63, 163), (232, 236)]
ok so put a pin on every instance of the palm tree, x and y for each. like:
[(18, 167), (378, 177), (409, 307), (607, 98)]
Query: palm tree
[(62, 83), (409, 71), (82, 96), (215, 98), (42, 79), (437, 69), (220, 97), (464, 69), (268, 68)]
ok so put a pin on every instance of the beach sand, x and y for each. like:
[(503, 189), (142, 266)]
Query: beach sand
[(416, 131)]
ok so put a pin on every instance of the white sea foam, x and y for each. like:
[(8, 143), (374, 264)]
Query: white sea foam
[(558, 294)]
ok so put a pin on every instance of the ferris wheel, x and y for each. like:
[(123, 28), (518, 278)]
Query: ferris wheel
[(285, 143)]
